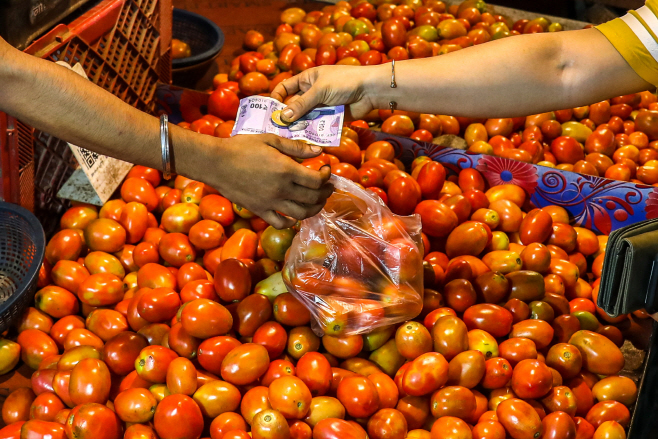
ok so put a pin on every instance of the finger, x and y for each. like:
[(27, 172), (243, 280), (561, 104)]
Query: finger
[(302, 105), (298, 211), (277, 221), (307, 196), (325, 173), (281, 91), (294, 148)]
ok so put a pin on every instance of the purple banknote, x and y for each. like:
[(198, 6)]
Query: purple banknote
[(261, 115)]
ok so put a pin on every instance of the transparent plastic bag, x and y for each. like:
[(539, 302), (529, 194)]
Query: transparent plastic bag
[(356, 266)]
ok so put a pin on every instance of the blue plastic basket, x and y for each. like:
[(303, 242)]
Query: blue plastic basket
[(205, 38), (22, 247)]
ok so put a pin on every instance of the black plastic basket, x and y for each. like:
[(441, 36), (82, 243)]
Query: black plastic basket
[(22, 247), (205, 38)]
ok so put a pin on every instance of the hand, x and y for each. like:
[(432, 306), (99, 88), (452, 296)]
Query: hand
[(256, 172), (327, 85)]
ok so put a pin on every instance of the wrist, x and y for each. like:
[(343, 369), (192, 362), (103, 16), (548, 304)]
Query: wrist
[(377, 86)]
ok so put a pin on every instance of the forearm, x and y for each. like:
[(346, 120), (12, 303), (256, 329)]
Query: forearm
[(62, 103), (509, 77)]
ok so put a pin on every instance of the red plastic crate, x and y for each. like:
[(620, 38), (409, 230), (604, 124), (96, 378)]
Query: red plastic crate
[(123, 46)]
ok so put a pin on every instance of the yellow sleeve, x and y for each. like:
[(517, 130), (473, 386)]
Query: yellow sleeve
[(635, 38)]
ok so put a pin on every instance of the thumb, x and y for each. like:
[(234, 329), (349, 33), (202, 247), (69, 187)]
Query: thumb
[(296, 148), (300, 106)]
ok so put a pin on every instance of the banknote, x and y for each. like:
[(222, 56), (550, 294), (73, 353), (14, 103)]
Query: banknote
[(261, 115)]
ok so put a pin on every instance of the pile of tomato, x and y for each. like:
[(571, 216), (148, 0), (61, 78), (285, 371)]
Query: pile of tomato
[(164, 314), (616, 138)]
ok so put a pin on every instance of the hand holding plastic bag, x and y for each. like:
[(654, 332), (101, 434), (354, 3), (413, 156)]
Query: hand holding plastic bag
[(356, 266)]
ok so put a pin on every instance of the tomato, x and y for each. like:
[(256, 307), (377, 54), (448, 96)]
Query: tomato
[(519, 419), (244, 364), (121, 351), (608, 411), (35, 346), (425, 374), (58, 302), (101, 289), (343, 347), (178, 417), (437, 218), (536, 330), (223, 103), (288, 310), (226, 422), (211, 352), (90, 382), (301, 340), (254, 401), (105, 235), (66, 244), (252, 312), (616, 388), (241, 245), (17, 405), (152, 362), (141, 191), (315, 371), (412, 340), (599, 354), (449, 427), (33, 318), (494, 319), (531, 379), (106, 323), (217, 397), (558, 425), (359, 396), (204, 318), (387, 423), (273, 337), (78, 217), (135, 405)]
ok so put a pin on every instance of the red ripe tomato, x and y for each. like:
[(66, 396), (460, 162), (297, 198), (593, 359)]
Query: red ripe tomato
[(105, 235), (217, 208), (158, 304), (141, 191), (426, 373), (531, 379), (176, 249), (326, 55), (223, 103), (404, 194), (90, 382), (438, 219), (359, 396), (567, 150), (347, 171), (92, 421), (399, 125), (178, 417), (431, 179), (315, 371)]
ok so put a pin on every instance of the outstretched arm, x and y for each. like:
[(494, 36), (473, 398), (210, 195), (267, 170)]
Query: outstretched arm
[(510, 77), (249, 170)]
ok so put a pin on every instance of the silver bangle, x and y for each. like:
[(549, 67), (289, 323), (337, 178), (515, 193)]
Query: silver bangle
[(164, 143), (393, 105)]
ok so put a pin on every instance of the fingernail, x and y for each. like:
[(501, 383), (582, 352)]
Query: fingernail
[(287, 113), (316, 148)]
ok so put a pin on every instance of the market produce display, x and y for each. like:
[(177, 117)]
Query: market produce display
[(616, 138), (164, 314)]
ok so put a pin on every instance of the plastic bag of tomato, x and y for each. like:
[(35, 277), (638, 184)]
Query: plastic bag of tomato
[(356, 266)]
